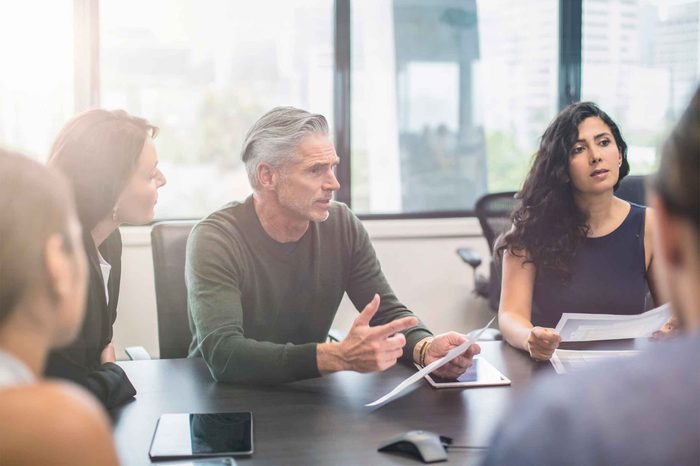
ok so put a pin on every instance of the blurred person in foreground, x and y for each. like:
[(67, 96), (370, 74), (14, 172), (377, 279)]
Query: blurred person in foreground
[(43, 277)]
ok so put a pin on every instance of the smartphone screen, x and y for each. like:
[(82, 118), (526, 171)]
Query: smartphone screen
[(187, 435)]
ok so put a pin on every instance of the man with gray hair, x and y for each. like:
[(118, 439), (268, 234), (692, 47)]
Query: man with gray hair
[(265, 276)]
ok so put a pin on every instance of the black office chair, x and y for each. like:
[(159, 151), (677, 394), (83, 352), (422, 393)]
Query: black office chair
[(493, 211), (633, 189), (168, 242)]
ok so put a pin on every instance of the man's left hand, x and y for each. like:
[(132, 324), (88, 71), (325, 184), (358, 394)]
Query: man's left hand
[(443, 343)]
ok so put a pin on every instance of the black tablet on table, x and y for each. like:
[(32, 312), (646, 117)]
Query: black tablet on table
[(196, 435)]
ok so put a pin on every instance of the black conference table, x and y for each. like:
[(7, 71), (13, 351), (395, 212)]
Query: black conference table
[(323, 421)]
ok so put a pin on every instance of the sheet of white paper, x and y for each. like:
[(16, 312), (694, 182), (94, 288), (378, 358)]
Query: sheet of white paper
[(593, 327), (565, 361), (453, 353)]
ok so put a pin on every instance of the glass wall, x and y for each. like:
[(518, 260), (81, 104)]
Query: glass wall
[(36, 77), (641, 64), (449, 98), (204, 71)]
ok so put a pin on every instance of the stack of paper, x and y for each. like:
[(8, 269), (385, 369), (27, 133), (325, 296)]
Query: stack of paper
[(565, 361), (592, 327)]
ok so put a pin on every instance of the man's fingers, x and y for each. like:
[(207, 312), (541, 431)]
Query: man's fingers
[(386, 330), (384, 365), (368, 312), (450, 371), (393, 354), (461, 362), (453, 338), (396, 341), (464, 360)]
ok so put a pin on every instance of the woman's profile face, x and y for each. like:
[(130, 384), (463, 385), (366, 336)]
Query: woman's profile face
[(138, 199), (594, 160)]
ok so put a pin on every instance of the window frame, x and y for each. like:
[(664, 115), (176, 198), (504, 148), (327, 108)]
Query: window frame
[(87, 83)]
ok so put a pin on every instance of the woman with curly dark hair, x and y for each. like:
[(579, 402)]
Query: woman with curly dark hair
[(574, 246)]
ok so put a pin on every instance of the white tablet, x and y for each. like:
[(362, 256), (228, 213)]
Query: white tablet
[(481, 374)]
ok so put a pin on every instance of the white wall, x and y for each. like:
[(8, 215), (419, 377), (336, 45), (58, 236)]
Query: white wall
[(417, 256)]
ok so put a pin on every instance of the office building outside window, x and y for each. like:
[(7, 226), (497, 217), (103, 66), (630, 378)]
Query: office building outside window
[(204, 71), (641, 64), (36, 80), (449, 98)]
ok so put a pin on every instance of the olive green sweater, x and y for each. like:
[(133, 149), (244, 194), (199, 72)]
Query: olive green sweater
[(258, 308)]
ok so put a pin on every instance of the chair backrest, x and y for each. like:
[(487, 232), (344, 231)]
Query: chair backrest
[(168, 243), (632, 189), (493, 211)]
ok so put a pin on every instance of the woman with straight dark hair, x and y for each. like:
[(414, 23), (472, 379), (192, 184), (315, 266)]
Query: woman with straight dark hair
[(110, 160), (43, 276), (574, 246)]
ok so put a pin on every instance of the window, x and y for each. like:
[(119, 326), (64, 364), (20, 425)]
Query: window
[(449, 99), (204, 71), (647, 71), (36, 82)]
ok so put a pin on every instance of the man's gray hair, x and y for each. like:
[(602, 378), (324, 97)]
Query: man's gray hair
[(274, 138)]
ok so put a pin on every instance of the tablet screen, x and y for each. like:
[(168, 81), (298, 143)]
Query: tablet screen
[(481, 373), (186, 435)]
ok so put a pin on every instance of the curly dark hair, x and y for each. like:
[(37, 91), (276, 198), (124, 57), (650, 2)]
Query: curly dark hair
[(548, 225)]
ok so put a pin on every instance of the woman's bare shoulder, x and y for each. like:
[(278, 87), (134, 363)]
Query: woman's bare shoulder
[(649, 225), (51, 422)]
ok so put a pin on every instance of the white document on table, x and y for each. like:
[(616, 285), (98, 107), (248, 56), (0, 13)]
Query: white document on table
[(565, 361), (593, 327), (453, 353)]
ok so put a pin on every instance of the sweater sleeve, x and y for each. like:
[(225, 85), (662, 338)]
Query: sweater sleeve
[(213, 276), (107, 382), (80, 360), (366, 278)]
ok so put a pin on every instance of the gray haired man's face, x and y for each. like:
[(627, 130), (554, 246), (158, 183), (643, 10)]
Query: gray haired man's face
[(307, 184)]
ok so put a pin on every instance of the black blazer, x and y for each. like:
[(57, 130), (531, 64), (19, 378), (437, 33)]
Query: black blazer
[(80, 361)]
